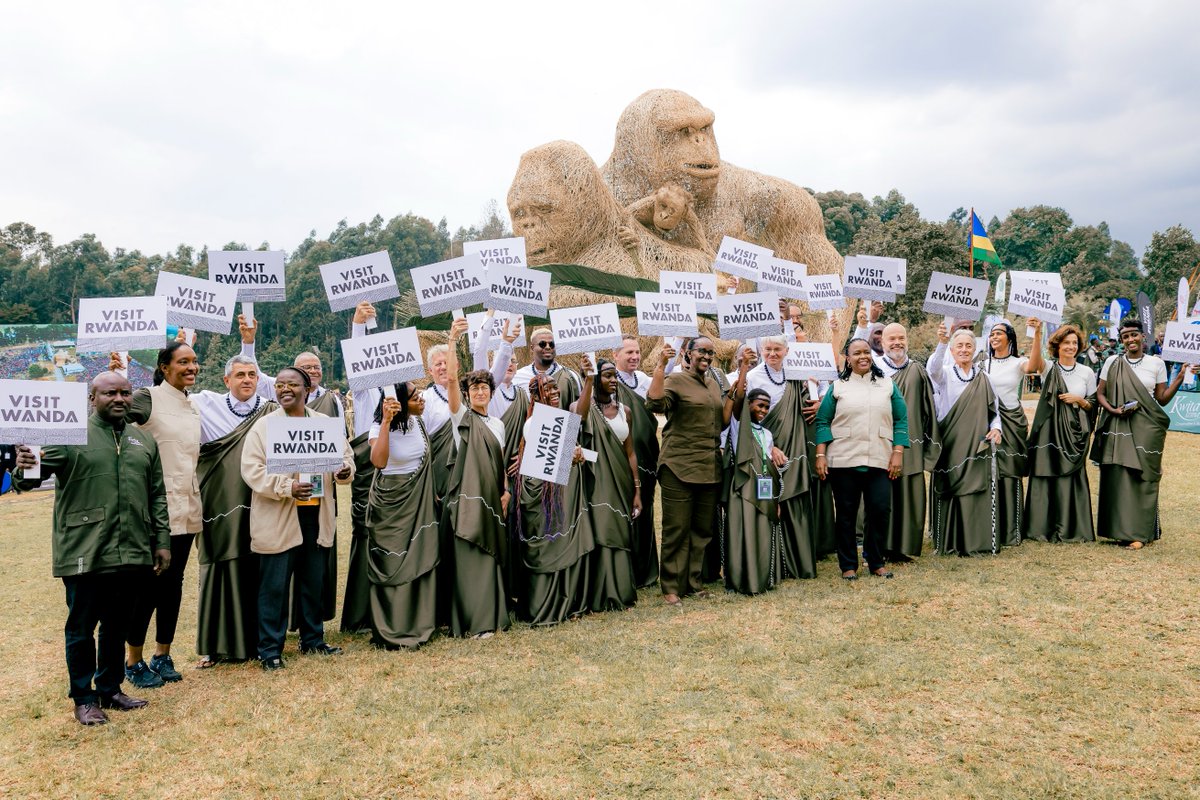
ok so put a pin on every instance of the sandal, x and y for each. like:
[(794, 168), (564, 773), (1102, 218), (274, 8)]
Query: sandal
[(206, 662)]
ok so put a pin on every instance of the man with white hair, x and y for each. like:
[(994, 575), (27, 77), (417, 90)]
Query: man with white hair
[(909, 499), (632, 385)]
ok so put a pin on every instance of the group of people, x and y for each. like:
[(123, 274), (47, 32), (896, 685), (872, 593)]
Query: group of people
[(760, 477)]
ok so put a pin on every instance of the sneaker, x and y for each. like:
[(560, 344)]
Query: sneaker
[(142, 676), (165, 668), (321, 649), (272, 664)]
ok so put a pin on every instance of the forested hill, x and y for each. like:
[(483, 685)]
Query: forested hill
[(41, 282)]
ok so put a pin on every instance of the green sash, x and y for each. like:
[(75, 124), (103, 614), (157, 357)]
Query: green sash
[(1058, 439), (224, 494), (402, 523), (1135, 440)]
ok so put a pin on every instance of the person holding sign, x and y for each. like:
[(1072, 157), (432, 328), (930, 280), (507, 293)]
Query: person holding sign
[(689, 466), (437, 414), (632, 385), (111, 526), (964, 479), (1006, 369), (227, 614), (167, 412), (612, 487), (751, 531), (290, 530), (788, 404), (862, 430), (1130, 434), (552, 533), (1058, 506), (541, 341), (473, 536), (909, 498), (401, 524)]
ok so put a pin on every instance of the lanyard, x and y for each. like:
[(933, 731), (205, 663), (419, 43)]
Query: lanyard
[(761, 438)]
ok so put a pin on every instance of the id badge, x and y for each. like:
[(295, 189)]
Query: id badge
[(766, 488)]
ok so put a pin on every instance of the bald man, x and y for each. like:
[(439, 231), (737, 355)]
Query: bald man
[(909, 499)]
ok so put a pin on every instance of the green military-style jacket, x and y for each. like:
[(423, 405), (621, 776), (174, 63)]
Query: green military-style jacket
[(110, 505)]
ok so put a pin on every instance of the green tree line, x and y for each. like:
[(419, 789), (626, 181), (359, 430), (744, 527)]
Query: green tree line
[(41, 282)]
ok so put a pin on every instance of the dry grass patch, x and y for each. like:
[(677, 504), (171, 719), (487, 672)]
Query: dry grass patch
[(1048, 671)]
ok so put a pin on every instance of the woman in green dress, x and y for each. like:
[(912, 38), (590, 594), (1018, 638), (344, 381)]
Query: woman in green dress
[(1058, 506), (613, 501), (402, 525), (473, 537)]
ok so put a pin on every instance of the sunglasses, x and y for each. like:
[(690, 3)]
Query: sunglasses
[(704, 352), (546, 344)]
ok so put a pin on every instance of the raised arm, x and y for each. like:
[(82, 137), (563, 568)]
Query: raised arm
[(453, 391), (1036, 365), (479, 357), (656, 396), (581, 405)]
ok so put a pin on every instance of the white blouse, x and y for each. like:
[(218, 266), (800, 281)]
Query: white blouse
[(406, 449), (217, 416), (619, 424), (1080, 380), (1150, 370), (767, 379), (493, 424), (1007, 374), (437, 408)]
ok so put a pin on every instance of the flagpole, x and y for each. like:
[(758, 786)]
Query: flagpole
[(971, 240)]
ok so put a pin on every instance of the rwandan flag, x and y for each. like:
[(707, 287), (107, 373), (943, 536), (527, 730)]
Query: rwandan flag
[(981, 245)]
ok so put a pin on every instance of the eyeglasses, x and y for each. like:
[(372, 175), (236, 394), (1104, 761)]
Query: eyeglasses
[(546, 344), (288, 385), (704, 352)]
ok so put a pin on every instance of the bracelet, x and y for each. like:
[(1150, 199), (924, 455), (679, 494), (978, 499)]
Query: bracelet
[(820, 455), (637, 486)]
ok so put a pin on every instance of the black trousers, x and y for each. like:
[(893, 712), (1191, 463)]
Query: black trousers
[(104, 599), (162, 594), (689, 517), (850, 489), (307, 561)]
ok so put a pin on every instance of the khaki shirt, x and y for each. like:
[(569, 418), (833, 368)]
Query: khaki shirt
[(168, 414), (691, 444), (274, 526), (110, 505)]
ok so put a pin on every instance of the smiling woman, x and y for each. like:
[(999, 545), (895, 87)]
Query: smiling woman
[(689, 463)]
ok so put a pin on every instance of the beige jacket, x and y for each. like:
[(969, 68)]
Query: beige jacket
[(274, 527), (174, 423), (862, 426)]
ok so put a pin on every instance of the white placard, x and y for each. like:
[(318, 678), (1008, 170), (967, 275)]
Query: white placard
[(956, 296), (382, 359), (550, 437), (824, 292), (783, 276), (248, 312), (499, 252), (518, 290), (305, 444), (899, 266), (1036, 299), (257, 275), (34, 473), (867, 279), (43, 412), (353, 280), (661, 314), (583, 328), (740, 258), (810, 361), (700, 286), (475, 325), (1181, 342), (744, 316), (121, 323), (1043, 278), (450, 285), (197, 303)]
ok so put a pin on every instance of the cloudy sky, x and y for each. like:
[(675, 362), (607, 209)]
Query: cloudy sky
[(154, 124)]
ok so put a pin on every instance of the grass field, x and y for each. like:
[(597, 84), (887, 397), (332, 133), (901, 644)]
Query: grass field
[(1055, 671)]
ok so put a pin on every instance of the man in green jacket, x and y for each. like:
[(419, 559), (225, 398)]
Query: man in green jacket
[(110, 529)]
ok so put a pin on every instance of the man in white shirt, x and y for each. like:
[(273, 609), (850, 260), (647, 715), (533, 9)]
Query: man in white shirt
[(541, 342), (628, 357)]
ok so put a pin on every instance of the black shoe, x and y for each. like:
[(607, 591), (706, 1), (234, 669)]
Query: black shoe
[(882, 572), (321, 649), (122, 702), (165, 668), (90, 714), (272, 664), (849, 575), (142, 676)]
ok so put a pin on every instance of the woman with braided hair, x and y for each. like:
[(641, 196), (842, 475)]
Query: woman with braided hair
[(611, 487), (554, 546)]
